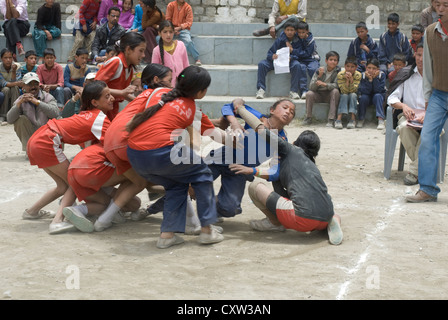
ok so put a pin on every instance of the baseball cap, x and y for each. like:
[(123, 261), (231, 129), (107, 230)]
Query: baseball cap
[(30, 76)]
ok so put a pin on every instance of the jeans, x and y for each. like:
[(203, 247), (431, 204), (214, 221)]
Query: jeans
[(40, 38), (428, 154), (310, 68), (366, 100), (185, 37), (348, 103), (59, 95), (264, 66), (157, 167), (14, 30)]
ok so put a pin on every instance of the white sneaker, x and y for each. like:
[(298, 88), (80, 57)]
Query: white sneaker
[(303, 96), (61, 227), (212, 237), (101, 226), (265, 225), (260, 94), (78, 219), (163, 243), (360, 124), (380, 124), (294, 95), (140, 214), (334, 230)]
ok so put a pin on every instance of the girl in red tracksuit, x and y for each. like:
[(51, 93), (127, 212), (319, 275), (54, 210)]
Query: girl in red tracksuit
[(117, 72), (44, 148)]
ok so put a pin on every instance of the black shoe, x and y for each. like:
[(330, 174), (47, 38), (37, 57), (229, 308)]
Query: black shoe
[(260, 33), (156, 206)]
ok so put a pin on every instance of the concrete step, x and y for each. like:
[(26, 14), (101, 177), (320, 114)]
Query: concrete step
[(211, 105)]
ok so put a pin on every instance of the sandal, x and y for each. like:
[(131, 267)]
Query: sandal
[(39, 215)]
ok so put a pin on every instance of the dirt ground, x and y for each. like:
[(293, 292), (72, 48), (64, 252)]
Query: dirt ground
[(391, 249)]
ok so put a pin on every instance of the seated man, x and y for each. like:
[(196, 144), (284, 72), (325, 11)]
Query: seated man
[(16, 24), (32, 109), (282, 11), (106, 35), (408, 97)]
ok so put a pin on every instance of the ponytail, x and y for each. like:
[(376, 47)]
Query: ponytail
[(191, 80), (151, 71)]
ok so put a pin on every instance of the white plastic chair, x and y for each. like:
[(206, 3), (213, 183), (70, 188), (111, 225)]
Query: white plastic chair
[(391, 142)]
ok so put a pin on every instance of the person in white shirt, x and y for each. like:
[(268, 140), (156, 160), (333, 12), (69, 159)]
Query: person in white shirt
[(409, 98), (16, 23)]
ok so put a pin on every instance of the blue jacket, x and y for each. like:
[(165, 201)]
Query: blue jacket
[(305, 49), (378, 85), (279, 43), (390, 44), (354, 50), (138, 18)]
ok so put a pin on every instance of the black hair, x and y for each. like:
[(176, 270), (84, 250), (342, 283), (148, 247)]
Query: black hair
[(420, 45), (30, 53), (191, 80), (394, 17), (5, 50), (418, 27), (302, 25), (114, 8), (110, 49), (132, 4), (151, 71), (352, 60), (290, 23), (163, 25), (92, 91), (361, 24), (152, 5), (49, 52), (81, 51), (331, 54), (310, 143), (373, 61), (400, 57)]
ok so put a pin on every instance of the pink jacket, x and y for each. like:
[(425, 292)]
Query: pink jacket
[(176, 62)]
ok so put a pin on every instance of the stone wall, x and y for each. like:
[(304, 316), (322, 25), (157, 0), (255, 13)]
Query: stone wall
[(247, 11)]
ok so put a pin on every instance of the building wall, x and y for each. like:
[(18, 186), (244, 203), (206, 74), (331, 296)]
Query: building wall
[(247, 11)]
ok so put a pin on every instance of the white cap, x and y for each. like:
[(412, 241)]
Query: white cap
[(90, 76), (30, 76)]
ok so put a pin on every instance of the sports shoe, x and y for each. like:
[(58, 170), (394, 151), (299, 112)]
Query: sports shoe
[(351, 124), (261, 32), (265, 225), (294, 95), (156, 206), (260, 94), (338, 124), (334, 230), (140, 214), (198, 63), (61, 227), (307, 121), (330, 123), (303, 96), (78, 219), (194, 231), (164, 243), (410, 179), (101, 226), (380, 125), (20, 49), (360, 124), (209, 238), (421, 196)]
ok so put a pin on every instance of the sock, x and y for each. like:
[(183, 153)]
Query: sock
[(109, 213), (82, 208), (192, 218)]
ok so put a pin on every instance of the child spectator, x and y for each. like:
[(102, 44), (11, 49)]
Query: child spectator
[(171, 53), (306, 51), (137, 24), (73, 105), (399, 62), (118, 71), (429, 15), (151, 18), (44, 148), (32, 109), (47, 27), (30, 62), (285, 39), (372, 89), (417, 33), (105, 6), (10, 82), (127, 14), (85, 29), (348, 83), (324, 88), (391, 42), (51, 76), (180, 14), (362, 47), (111, 51), (75, 73)]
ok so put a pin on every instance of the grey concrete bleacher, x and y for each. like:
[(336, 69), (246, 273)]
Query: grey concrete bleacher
[(231, 54)]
